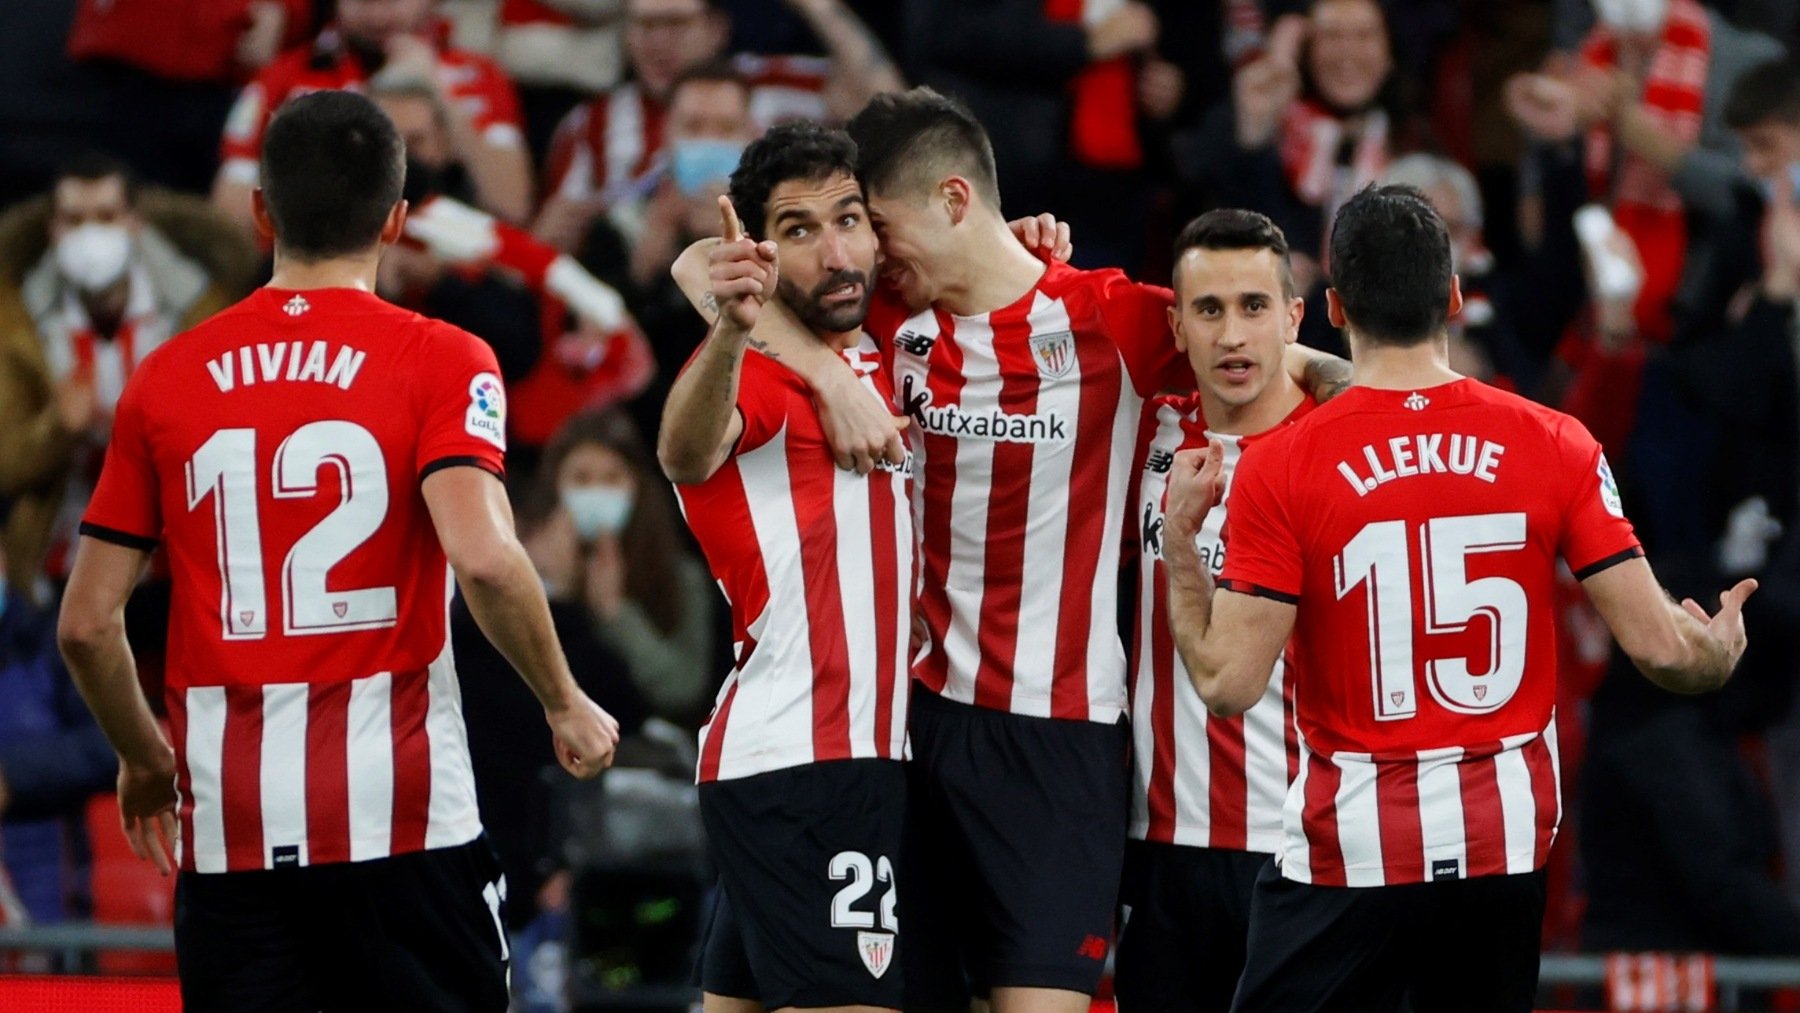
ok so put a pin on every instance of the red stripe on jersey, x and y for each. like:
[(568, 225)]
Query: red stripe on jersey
[(240, 776), (715, 738), (1326, 853), (1544, 791), (886, 546), (944, 382), (1162, 719), (176, 704), (328, 773), (1402, 838), (1228, 797), (1085, 518), (1290, 729), (1484, 828), (412, 760), (815, 514), (1008, 516)]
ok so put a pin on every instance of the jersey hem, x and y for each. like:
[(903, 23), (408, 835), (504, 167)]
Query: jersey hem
[(460, 461), (1609, 562), (784, 758), (214, 863), (117, 537), (1259, 591)]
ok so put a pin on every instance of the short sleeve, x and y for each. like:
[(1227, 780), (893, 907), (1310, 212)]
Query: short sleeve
[(126, 508), (1137, 319), (461, 404), (1595, 533), (1262, 549), (762, 401), (241, 145)]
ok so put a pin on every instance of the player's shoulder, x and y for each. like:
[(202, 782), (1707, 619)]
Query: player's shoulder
[(1109, 287), (1530, 416)]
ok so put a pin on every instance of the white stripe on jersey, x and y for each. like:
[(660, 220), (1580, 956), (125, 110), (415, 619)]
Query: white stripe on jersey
[(204, 755), (284, 768), (966, 580), (1440, 807), (370, 754), (455, 817), (1518, 803), (1046, 531), (855, 550), (1359, 819)]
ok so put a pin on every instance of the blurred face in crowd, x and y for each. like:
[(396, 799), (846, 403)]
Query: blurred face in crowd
[(708, 128), (1466, 244), (1771, 148), (598, 488), (421, 127), (1347, 52), (827, 250), (376, 22), (93, 229), (1234, 317), (665, 37)]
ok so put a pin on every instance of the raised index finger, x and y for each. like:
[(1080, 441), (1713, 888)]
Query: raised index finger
[(731, 229)]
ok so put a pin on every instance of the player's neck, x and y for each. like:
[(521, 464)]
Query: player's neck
[(1401, 367), (994, 271), (1276, 402), (356, 271)]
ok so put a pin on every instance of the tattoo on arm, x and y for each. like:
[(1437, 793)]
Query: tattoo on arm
[(1327, 378), (763, 347), (709, 304)]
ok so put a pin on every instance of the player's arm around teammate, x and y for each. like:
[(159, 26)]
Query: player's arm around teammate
[(1228, 642)]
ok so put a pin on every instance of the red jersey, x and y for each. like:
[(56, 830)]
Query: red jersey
[(817, 563), (1197, 779), (1024, 423), (476, 84), (277, 452), (1419, 532)]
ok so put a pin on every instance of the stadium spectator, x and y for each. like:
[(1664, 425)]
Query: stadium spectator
[(559, 52), (52, 758), (93, 277), (610, 154), (407, 37), (601, 527), (1061, 95)]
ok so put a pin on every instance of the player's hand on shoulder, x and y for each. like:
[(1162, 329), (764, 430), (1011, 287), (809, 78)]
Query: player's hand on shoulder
[(1196, 484), (585, 736), (1044, 236), (741, 272)]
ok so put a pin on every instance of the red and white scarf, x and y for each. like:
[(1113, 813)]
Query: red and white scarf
[(1643, 203), (1103, 123), (1312, 138)]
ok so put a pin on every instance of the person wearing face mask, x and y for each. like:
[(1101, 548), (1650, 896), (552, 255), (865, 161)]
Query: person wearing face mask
[(604, 534), (95, 277), (368, 36)]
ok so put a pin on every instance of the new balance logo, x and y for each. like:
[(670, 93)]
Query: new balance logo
[(913, 343), (1093, 948), (1160, 462)]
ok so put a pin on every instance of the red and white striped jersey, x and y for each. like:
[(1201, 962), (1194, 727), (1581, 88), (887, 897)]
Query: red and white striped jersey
[(1197, 780), (611, 145), (1024, 423), (475, 83), (1418, 533), (277, 452), (817, 563)]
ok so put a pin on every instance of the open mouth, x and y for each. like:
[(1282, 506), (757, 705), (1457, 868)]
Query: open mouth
[(849, 292), (1236, 367)]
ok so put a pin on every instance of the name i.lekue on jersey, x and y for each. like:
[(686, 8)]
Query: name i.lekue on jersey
[(1422, 454)]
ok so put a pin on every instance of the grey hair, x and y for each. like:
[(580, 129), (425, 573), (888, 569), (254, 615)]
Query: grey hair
[(1427, 171)]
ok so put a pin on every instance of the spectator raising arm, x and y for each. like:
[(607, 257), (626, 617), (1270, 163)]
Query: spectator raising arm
[(496, 158), (860, 66)]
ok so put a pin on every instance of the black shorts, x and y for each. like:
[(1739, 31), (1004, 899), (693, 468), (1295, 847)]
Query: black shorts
[(420, 931), (806, 913), (1015, 839), (1465, 945), (1181, 949)]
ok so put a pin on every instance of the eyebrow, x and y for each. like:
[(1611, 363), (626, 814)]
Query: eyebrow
[(1205, 298), (787, 213)]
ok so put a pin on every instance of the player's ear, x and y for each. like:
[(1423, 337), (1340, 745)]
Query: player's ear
[(1334, 309), (1456, 299), (1175, 328), (259, 213), (1296, 313), (955, 193), (395, 226)]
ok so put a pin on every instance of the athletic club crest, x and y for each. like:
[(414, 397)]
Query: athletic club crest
[(876, 950), (1054, 352)]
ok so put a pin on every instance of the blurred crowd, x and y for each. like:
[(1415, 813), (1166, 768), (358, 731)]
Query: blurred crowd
[(1621, 179)]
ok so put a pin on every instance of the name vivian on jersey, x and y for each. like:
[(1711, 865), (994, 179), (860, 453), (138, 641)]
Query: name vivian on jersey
[(296, 361)]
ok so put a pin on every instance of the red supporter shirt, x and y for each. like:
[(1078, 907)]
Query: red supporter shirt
[(277, 452), (476, 84), (1024, 423), (817, 563), (1198, 780), (1419, 533)]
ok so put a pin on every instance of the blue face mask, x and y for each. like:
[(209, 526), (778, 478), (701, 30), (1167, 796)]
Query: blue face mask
[(1792, 177), (702, 163)]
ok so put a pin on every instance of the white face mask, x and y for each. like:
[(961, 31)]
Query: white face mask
[(598, 509), (1641, 16), (94, 256)]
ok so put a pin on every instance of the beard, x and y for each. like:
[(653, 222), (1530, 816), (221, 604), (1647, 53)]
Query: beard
[(809, 306)]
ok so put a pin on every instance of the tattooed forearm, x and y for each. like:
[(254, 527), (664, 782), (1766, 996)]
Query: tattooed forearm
[(762, 346), (1327, 378)]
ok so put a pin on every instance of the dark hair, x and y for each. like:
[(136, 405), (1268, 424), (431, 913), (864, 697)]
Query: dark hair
[(1767, 91), (332, 168), (650, 542), (1236, 229), (1390, 265), (93, 166), (719, 71), (801, 150), (913, 139)]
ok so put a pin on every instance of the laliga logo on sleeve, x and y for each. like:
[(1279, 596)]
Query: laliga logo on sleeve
[(876, 950), (486, 417), (1609, 490)]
